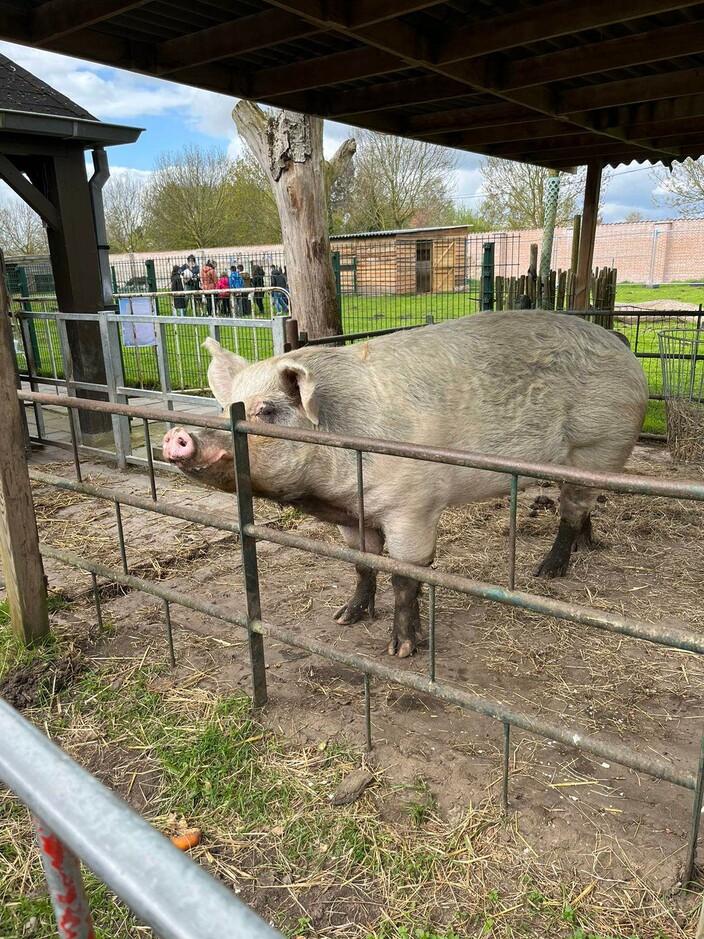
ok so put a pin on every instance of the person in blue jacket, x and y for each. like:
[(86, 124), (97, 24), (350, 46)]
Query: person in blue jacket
[(235, 283)]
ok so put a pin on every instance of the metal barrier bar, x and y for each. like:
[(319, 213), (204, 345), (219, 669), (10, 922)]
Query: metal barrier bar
[(667, 634), (161, 885), (604, 749), (360, 501), (170, 509), (617, 482), (512, 533)]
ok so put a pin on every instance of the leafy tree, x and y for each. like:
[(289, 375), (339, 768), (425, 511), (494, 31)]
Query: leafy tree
[(399, 183), (459, 214), (255, 218), (190, 199), (124, 199), (682, 187), (514, 194), (634, 216), (21, 229)]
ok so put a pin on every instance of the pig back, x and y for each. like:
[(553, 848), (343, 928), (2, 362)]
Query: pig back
[(524, 384)]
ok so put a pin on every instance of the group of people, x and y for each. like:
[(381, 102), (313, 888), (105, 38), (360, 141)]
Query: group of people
[(191, 277)]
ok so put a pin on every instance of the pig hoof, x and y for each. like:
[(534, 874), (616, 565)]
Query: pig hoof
[(392, 647), (406, 649), (583, 542), (552, 567), (349, 614)]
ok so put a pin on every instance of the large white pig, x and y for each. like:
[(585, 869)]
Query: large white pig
[(535, 386)]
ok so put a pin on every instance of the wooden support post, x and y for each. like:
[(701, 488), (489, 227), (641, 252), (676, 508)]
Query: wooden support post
[(76, 266), (585, 257), (19, 540), (576, 228)]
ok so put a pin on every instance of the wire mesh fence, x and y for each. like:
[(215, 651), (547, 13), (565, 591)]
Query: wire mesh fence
[(385, 280), (682, 363)]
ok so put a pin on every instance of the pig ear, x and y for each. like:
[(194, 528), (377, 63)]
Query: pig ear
[(223, 367), (299, 384)]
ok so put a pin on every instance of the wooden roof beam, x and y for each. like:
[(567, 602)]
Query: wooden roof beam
[(56, 18), (459, 119), (546, 21), (528, 131), (265, 29), (625, 52), (231, 39), (407, 43), (631, 91), (275, 82), (575, 154), (360, 101)]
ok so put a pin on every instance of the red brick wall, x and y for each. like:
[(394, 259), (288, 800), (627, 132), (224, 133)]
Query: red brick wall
[(643, 252)]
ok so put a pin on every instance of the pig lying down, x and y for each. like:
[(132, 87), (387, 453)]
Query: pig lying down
[(536, 386)]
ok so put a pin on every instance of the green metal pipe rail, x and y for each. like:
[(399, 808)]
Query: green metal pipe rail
[(249, 533)]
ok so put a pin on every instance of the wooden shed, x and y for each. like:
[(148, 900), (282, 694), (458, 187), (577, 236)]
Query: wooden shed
[(409, 260)]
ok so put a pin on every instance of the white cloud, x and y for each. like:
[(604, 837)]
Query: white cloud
[(115, 95)]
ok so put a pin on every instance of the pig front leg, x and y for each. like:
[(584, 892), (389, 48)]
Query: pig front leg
[(410, 539), (362, 600)]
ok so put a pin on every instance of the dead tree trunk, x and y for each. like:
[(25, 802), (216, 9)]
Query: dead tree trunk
[(289, 148)]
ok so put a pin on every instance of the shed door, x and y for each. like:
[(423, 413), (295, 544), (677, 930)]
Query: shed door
[(444, 267), (424, 266)]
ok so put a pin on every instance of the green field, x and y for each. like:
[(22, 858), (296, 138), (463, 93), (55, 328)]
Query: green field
[(638, 293)]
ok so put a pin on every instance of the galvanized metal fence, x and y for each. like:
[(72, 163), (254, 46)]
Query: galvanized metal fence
[(158, 358), (161, 359), (669, 635), (77, 819)]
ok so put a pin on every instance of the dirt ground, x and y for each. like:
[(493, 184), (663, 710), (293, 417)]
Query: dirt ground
[(582, 816)]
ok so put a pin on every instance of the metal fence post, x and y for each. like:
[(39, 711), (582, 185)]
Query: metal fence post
[(151, 276), (115, 378), (248, 545), (162, 361), (65, 882), (278, 334), (488, 276), (27, 307)]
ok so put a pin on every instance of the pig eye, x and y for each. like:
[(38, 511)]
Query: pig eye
[(265, 411)]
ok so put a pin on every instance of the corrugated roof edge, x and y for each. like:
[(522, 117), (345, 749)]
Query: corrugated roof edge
[(398, 231)]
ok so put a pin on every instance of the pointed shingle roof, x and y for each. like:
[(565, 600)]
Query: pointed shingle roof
[(28, 106), (22, 91)]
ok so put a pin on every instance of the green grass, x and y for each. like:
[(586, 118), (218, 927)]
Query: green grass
[(271, 832), (639, 293)]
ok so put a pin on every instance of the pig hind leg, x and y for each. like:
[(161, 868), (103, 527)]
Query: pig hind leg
[(575, 530), (577, 502), (362, 600)]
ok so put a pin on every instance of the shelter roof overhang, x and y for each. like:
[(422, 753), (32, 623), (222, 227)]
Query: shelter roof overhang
[(552, 83), (84, 132)]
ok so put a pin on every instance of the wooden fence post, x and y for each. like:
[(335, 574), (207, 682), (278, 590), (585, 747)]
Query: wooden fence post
[(19, 540)]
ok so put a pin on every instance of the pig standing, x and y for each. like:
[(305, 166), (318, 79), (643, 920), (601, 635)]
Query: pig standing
[(534, 386)]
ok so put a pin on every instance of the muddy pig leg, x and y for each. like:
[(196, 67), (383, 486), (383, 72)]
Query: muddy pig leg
[(362, 600), (409, 539), (575, 530)]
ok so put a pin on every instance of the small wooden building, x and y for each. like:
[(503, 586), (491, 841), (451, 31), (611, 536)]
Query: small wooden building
[(409, 260)]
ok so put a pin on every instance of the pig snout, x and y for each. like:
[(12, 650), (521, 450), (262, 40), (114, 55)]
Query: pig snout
[(178, 446)]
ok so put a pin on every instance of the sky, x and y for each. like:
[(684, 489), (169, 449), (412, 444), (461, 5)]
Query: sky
[(173, 115)]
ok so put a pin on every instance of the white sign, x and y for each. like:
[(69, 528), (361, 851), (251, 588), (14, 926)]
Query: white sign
[(138, 334)]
